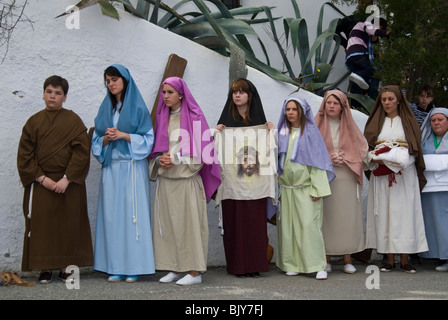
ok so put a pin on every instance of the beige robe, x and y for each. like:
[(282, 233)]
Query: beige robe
[(342, 224), (180, 225)]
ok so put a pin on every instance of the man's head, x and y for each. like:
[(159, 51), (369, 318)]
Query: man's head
[(55, 92), (425, 96), (57, 81)]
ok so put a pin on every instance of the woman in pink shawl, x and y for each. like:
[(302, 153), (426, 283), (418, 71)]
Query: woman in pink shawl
[(342, 224), (186, 170)]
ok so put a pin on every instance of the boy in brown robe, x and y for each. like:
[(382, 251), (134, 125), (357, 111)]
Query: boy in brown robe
[(53, 161)]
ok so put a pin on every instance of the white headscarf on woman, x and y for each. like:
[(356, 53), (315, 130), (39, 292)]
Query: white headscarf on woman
[(427, 130)]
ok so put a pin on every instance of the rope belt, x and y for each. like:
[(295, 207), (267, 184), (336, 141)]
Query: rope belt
[(280, 187), (134, 194), (30, 206), (157, 199)]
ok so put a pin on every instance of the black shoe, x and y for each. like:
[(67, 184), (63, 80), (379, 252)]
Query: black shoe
[(45, 277), (63, 276), (387, 267), (254, 275), (408, 268)]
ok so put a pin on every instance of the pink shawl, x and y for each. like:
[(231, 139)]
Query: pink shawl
[(352, 143)]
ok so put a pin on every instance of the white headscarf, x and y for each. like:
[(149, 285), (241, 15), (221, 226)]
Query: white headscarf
[(427, 130)]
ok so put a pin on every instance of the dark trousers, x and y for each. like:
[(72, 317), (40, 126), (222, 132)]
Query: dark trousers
[(361, 66)]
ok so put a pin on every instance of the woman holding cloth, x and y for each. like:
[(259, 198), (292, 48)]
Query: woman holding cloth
[(342, 225), (394, 212), (244, 221), (435, 193)]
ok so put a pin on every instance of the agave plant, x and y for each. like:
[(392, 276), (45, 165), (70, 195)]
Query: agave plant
[(227, 31), (324, 50)]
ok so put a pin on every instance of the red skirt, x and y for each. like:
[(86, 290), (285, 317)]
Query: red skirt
[(245, 235)]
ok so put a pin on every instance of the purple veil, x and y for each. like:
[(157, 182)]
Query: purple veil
[(196, 137)]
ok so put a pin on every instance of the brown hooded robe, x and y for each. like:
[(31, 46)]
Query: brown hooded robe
[(57, 228)]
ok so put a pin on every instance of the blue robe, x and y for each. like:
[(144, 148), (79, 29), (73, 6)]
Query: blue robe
[(123, 239), (435, 214)]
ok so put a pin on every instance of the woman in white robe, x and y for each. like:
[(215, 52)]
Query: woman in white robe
[(394, 213)]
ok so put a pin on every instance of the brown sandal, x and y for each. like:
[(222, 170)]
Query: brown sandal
[(13, 278)]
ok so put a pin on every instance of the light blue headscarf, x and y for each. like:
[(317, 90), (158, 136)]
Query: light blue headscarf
[(427, 132), (134, 115)]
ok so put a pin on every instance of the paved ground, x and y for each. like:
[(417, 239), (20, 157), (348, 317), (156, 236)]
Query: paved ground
[(273, 285)]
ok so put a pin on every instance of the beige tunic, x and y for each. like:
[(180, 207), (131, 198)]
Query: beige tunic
[(180, 235), (342, 224)]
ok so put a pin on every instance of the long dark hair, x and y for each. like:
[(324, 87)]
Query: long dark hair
[(241, 85), (113, 72)]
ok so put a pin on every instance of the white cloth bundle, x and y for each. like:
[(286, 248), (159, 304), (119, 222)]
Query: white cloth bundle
[(436, 172), (395, 159)]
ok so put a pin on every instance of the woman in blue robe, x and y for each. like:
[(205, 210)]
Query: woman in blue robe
[(435, 194), (122, 141)]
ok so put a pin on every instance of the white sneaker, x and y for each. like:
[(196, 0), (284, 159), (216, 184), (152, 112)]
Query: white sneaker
[(442, 267), (349, 268), (170, 277), (328, 268), (359, 81), (292, 273), (188, 280), (322, 275)]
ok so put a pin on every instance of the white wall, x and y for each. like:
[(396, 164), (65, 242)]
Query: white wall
[(81, 55)]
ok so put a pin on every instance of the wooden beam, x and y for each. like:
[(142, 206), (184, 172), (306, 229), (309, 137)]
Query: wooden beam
[(175, 67)]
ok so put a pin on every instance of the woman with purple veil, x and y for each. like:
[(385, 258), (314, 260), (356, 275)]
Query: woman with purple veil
[(187, 174)]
